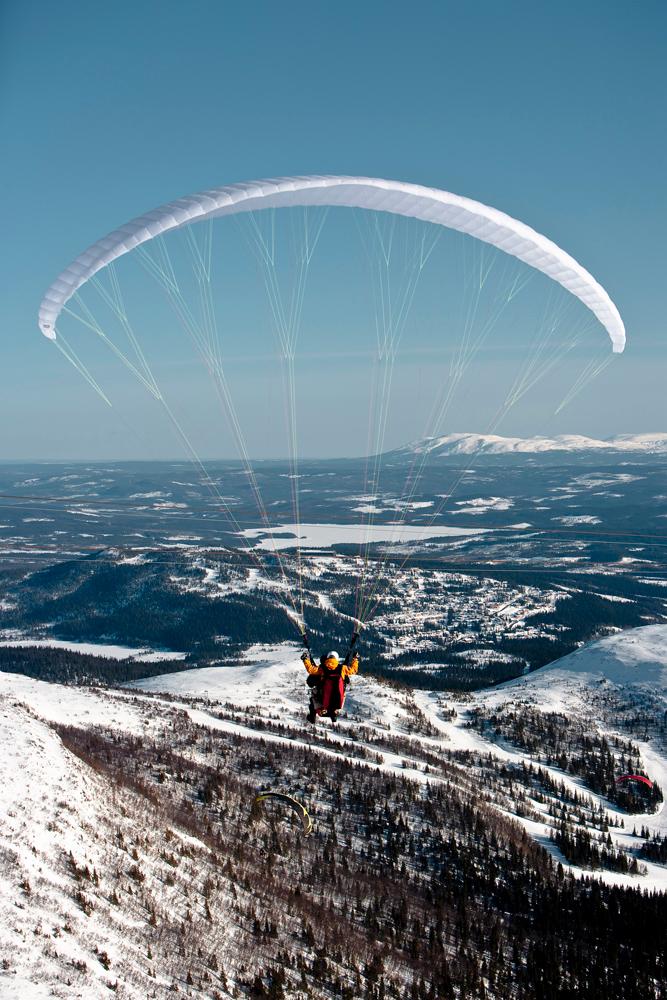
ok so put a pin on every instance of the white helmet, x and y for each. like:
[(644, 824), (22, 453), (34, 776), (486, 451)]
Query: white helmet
[(333, 655)]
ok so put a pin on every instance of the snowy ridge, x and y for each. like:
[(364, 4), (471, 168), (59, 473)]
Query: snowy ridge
[(493, 444), (629, 659)]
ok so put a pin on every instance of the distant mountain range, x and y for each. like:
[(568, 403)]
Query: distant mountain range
[(492, 444)]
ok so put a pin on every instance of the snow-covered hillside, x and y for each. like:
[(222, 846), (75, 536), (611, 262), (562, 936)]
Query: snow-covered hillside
[(127, 864), (614, 687), (493, 444), (637, 658), (599, 685)]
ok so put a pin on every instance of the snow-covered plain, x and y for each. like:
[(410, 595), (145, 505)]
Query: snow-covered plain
[(482, 505), (108, 651)]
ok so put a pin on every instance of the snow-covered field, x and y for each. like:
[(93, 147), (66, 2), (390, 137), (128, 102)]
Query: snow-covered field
[(632, 663), (108, 651), (271, 681), (482, 505), (574, 519)]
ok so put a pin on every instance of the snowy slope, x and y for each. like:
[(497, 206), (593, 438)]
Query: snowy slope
[(74, 920), (80, 858), (52, 803), (272, 678), (49, 806), (634, 658), (583, 685), (493, 444), (587, 685), (601, 685)]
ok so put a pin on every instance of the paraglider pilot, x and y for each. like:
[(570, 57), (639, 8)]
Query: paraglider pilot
[(328, 681)]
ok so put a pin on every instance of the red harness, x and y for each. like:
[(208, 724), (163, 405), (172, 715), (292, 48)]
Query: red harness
[(333, 691)]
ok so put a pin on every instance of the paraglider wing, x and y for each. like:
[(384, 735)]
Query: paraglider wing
[(427, 204), (635, 777), (289, 801)]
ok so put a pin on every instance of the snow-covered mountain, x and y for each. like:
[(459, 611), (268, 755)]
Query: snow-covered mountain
[(129, 862), (633, 660), (493, 444)]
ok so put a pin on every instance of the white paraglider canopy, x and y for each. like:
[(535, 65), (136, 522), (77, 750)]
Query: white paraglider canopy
[(427, 204)]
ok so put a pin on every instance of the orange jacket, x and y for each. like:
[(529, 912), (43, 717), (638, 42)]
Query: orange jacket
[(318, 670)]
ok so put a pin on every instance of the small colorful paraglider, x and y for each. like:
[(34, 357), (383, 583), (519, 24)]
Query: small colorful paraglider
[(293, 806), (635, 777)]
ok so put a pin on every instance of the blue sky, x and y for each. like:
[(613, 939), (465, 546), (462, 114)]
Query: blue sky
[(554, 113)]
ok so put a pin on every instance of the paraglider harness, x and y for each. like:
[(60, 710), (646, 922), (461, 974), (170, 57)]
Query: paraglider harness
[(324, 686)]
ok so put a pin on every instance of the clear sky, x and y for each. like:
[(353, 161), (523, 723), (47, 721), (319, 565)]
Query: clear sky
[(554, 113)]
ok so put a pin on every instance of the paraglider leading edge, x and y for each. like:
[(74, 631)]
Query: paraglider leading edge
[(428, 204)]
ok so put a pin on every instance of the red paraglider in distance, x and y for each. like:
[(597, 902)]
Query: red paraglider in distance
[(635, 777)]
